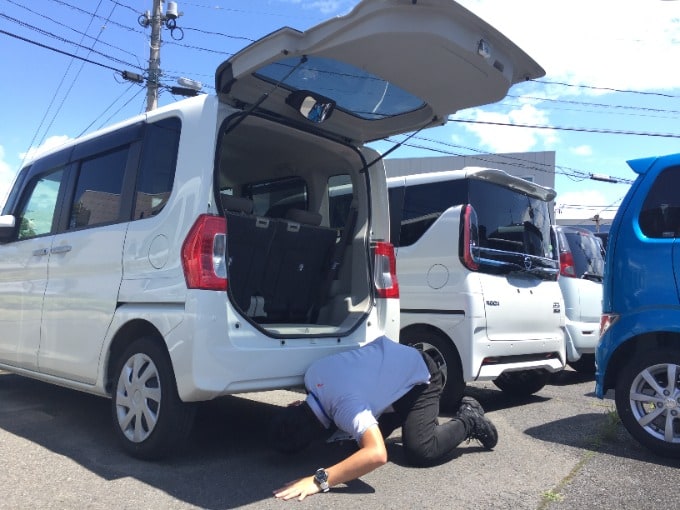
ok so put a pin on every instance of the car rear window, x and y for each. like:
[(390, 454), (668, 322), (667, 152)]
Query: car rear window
[(587, 253)]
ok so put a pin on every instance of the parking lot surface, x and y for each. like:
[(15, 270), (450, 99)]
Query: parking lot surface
[(561, 448)]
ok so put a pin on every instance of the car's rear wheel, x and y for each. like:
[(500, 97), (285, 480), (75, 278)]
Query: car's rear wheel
[(149, 418), (584, 365), (522, 383), (443, 354), (648, 400)]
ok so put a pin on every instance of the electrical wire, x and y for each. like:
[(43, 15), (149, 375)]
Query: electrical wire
[(563, 128)]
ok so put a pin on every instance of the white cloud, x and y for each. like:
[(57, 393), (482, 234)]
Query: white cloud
[(626, 44), (6, 176), (583, 205), (504, 139), (323, 6), (582, 150), (51, 143)]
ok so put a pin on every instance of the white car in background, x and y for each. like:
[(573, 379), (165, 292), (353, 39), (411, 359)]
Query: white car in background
[(581, 257)]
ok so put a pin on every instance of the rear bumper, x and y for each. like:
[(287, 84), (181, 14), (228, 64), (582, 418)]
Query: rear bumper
[(495, 357), (582, 338), (215, 352)]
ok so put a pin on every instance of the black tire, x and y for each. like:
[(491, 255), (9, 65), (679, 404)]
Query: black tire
[(522, 383), (439, 348), (584, 365), (638, 401), (150, 420)]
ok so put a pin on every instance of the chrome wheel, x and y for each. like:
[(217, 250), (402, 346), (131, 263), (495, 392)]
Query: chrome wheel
[(138, 397), (655, 401)]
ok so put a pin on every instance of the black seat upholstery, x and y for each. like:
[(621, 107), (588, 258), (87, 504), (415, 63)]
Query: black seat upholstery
[(249, 243), (298, 263)]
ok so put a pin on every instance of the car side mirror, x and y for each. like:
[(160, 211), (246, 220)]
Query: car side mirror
[(311, 106), (7, 226)]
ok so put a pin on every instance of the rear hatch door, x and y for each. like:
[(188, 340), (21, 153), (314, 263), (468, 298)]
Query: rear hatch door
[(387, 67)]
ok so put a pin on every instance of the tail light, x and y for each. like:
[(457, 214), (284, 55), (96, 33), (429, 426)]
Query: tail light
[(470, 244), (385, 275), (567, 267), (204, 254), (606, 321)]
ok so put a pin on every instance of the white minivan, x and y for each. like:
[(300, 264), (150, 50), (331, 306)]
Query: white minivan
[(477, 277), (193, 251)]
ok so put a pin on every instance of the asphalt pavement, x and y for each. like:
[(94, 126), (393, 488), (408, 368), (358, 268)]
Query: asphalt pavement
[(561, 448)]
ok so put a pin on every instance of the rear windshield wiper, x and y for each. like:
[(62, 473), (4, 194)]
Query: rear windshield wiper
[(592, 276)]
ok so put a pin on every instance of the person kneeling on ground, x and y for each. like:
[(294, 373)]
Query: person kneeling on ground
[(397, 384)]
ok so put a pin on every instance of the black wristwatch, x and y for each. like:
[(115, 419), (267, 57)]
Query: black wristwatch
[(321, 479)]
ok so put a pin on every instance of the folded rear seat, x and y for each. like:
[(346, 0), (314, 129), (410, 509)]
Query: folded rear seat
[(298, 263), (249, 241)]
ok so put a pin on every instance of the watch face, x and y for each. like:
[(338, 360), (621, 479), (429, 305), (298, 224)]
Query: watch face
[(321, 475)]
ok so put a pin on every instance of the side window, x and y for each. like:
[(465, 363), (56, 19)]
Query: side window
[(37, 215), (274, 198), (98, 191), (424, 203), (340, 195), (157, 169), (660, 214), (396, 200)]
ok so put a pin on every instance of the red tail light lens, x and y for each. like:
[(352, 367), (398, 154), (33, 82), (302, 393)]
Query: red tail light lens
[(385, 276), (470, 244), (606, 321), (567, 267), (204, 254)]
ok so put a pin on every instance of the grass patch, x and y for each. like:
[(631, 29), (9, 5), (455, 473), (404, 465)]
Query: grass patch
[(552, 496), (607, 432)]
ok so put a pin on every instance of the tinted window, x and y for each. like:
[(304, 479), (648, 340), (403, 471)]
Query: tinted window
[(586, 251), (660, 214), (510, 221), (424, 203), (37, 215), (157, 169), (340, 197), (98, 190), (355, 91), (396, 199), (274, 198)]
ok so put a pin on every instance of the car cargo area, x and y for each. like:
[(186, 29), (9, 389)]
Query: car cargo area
[(296, 206)]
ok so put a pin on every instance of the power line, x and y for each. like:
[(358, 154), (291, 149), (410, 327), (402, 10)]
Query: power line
[(63, 39), (73, 82), (71, 28), (607, 89), (590, 104), (562, 128), (51, 48)]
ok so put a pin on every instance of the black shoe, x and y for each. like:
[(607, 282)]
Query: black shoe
[(472, 403), (478, 426)]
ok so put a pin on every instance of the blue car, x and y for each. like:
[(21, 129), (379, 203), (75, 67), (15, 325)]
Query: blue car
[(638, 354)]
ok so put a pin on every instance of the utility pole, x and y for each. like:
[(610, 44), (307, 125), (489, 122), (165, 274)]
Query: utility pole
[(158, 20), (154, 57)]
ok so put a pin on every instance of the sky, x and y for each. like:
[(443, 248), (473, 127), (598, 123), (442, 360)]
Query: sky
[(611, 92)]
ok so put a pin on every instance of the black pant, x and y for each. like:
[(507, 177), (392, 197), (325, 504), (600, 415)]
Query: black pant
[(426, 441)]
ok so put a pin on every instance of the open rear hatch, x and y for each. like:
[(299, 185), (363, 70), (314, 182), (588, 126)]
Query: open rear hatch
[(387, 67), (305, 102)]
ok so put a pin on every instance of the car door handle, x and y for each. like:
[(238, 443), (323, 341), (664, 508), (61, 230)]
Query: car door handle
[(40, 253), (61, 249)]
